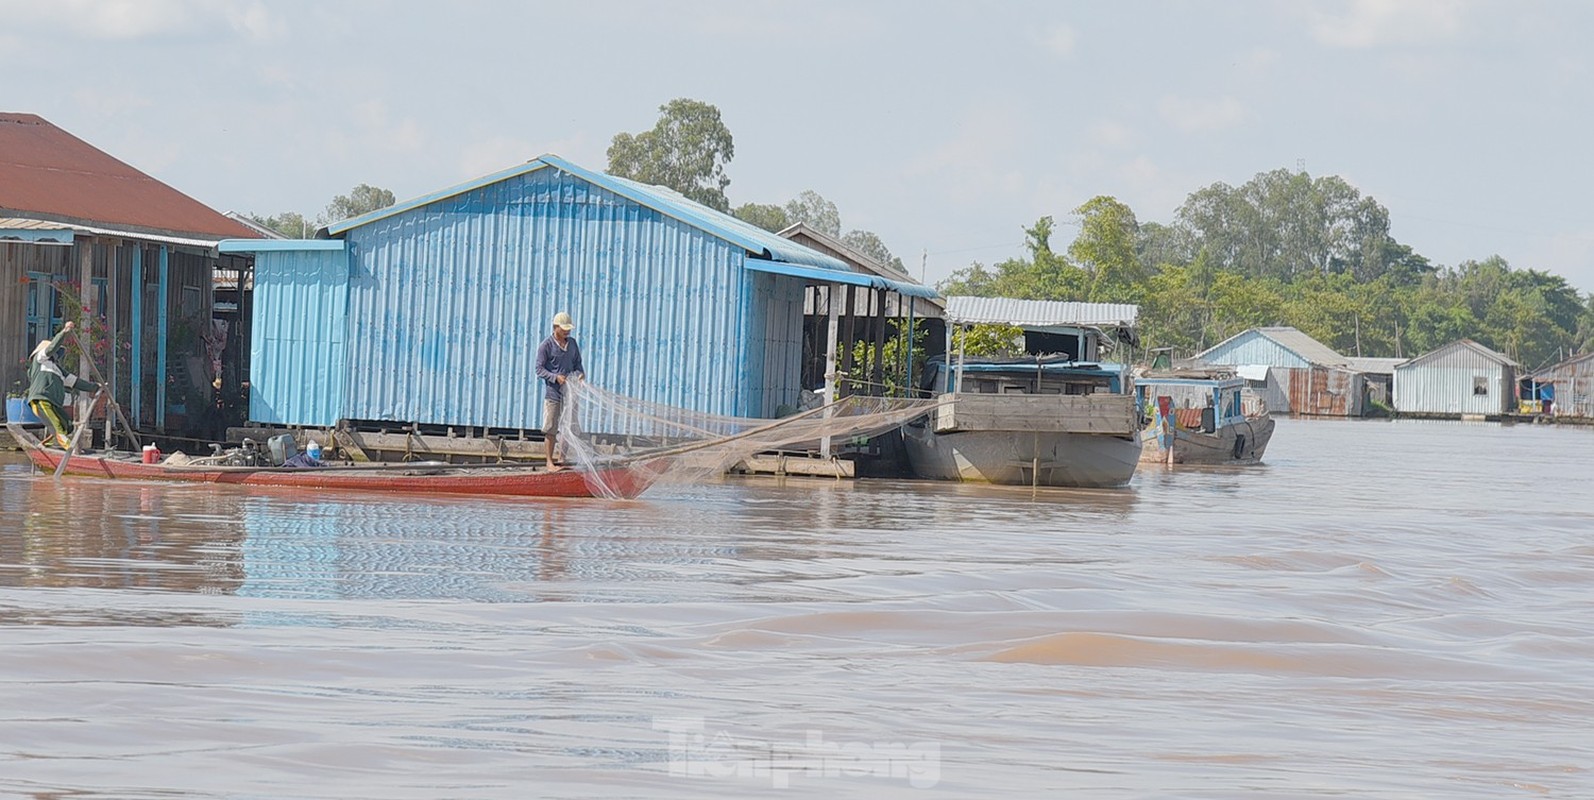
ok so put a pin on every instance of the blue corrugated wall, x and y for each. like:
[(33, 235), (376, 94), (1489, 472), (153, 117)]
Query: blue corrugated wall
[(448, 302), (298, 355)]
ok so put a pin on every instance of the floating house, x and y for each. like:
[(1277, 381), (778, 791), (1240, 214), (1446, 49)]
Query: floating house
[(1292, 373), (1460, 379), (1568, 387), (429, 313), (86, 237)]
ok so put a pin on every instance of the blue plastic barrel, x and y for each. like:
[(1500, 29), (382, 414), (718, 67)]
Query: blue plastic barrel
[(18, 411)]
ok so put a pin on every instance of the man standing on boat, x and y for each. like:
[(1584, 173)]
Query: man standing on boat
[(48, 385), (558, 361)]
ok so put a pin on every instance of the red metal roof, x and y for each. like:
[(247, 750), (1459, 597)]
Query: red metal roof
[(47, 172)]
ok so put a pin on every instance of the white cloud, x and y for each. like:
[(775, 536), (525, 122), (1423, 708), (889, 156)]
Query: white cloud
[(972, 164), (1112, 133), (1059, 40), (1371, 23), (490, 155), (110, 103), (383, 133), (1192, 115), (127, 20)]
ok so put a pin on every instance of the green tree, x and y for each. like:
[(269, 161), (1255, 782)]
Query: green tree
[(987, 340), (770, 217), (687, 150), (813, 210), (1105, 250), (898, 355), (362, 199), (869, 244), (291, 224)]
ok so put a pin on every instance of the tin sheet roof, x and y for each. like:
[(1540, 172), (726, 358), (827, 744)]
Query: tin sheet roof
[(1293, 339), (1460, 346), (1376, 366), (755, 240), (47, 173), (1039, 313)]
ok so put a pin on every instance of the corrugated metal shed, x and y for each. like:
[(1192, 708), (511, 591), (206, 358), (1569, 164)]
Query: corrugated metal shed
[(1573, 385), (1274, 347), (50, 174), (1573, 380), (450, 295), (1462, 377), (299, 335), (1039, 313)]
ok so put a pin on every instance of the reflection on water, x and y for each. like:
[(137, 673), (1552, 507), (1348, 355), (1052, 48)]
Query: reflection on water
[(1383, 609)]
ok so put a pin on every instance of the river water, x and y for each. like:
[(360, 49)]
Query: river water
[(1395, 610)]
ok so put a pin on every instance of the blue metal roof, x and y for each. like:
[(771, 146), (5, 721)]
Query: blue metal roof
[(908, 289), (755, 240)]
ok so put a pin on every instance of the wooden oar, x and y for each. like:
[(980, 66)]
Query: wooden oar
[(82, 425)]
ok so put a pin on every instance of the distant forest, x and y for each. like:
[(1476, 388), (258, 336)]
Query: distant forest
[(1288, 249)]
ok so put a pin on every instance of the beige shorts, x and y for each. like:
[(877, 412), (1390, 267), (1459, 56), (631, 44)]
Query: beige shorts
[(550, 417)]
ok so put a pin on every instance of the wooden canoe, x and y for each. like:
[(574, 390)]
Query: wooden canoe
[(410, 478)]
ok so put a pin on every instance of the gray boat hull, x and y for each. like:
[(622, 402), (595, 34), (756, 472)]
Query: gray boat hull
[(1020, 458), (1241, 443)]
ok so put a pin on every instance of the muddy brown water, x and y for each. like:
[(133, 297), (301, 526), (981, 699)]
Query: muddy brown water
[(1389, 610)]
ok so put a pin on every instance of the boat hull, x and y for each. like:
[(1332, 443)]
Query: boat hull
[(1023, 458), (1241, 443), (619, 482)]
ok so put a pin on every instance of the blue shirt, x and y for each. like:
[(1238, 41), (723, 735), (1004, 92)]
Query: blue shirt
[(553, 361)]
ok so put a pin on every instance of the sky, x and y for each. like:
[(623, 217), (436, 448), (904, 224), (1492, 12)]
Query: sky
[(945, 128)]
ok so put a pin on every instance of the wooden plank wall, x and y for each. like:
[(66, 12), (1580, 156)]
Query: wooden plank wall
[(1064, 413)]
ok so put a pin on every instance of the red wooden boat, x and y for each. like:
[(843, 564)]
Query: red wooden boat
[(413, 478)]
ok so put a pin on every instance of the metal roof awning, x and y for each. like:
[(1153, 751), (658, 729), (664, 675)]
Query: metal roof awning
[(278, 245), (837, 276), (1039, 314), (14, 227), (32, 231)]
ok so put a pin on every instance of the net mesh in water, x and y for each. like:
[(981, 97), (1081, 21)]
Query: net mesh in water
[(619, 441)]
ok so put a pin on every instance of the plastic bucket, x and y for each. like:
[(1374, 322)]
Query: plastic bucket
[(18, 411)]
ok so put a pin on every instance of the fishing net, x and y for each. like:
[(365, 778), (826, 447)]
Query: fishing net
[(619, 440)]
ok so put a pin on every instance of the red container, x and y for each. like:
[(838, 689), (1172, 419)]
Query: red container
[(152, 454)]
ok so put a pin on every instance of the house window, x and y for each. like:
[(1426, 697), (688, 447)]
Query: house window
[(43, 310), (1480, 385)]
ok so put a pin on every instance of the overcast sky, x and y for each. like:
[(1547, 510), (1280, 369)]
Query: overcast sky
[(943, 127)]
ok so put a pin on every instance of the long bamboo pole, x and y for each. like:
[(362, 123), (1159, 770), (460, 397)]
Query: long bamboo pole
[(94, 372)]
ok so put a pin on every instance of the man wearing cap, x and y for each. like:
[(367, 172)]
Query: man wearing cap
[(558, 360), (48, 384)]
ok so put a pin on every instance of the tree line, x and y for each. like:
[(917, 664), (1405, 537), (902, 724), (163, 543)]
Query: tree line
[(1284, 248), (1289, 249)]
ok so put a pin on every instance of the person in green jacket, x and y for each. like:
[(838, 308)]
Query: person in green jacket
[(48, 385)]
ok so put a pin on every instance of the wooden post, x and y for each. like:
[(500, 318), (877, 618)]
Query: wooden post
[(135, 370), (112, 320), (849, 335), (164, 298), (879, 321), (830, 362)]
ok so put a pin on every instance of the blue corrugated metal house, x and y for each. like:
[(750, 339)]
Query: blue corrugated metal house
[(431, 311), (1291, 372)]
